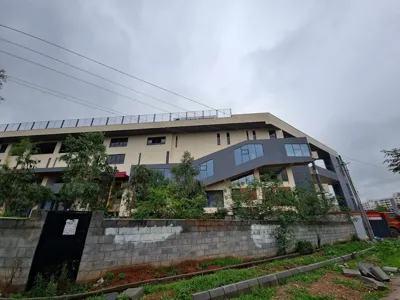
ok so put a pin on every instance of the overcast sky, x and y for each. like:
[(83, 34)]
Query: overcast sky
[(329, 68)]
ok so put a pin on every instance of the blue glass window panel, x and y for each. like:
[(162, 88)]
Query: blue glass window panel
[(167, 173), (298, 153), (289, 150), (305, 150), (245, 158), (249, 178), (296, 147), (210, 168), (238, 156), (252, 151), (3, 127), (203, 167), (259, 150)]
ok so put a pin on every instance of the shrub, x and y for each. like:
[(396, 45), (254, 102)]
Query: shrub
[(304, 247), (121, 276), (221, 213)]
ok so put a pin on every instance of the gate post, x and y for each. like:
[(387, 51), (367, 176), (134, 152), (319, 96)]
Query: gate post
[(95, 230)]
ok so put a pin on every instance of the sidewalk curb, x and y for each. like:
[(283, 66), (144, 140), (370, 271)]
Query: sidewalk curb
[(271, 280)]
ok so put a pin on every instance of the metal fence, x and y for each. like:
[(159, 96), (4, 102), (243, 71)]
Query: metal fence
[(119, 120)]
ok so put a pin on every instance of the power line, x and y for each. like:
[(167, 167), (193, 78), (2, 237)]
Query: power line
[(79, 100), (82, 80), (107, 66), (95, 106), (363, 162), (88, 72)]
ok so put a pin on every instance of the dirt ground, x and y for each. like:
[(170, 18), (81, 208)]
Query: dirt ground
[(327, 286), (141, 273)]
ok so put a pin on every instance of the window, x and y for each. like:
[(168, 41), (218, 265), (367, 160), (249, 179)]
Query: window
[(160, 140), (46, 148), (3, 148), (297, 150), (272, 134), (116, 159), (176, 142), (391, 216), (228, 138), (165, 172), (215, 198), (218, 139), (206, 169), (244, 180), (140, 156), (167, 158), (247, 134), (247, 153), (254, 135), (119, 142)]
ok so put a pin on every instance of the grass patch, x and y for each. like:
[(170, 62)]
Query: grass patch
[(260, 294), (222, 262), (351, 284), (304, 294), (185, 288)]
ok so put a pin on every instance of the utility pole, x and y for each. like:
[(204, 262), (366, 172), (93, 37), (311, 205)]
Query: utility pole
[(364, 217)]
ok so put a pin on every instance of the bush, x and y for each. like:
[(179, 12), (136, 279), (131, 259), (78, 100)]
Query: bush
[(220, 214), (355, 238), (121, 276), (304, 247)]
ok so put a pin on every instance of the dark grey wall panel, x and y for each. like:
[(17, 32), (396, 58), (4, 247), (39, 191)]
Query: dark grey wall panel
[(302, 176), (344, 184), (224, 160)]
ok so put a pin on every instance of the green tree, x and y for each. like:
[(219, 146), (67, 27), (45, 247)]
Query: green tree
[(267, 199), (313, 207), (3, 79), (140, 185), (380, 208), (392, 159), (19, 189), (182, 197), (87, 177)]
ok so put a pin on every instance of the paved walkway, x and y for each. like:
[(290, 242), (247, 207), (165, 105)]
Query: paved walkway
[(395, 294)]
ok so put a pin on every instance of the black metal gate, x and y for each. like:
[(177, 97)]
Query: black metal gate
[(61, 244), (380, 228)]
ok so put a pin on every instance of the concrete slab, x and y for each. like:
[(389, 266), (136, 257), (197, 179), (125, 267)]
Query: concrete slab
[(243, 288), (373, 283), (133, 293), (111, 296), (217, 294), (379, 274), (268, 280), (230, 291), (351, 273), (253, 283), (201, 296), (391, 269), (281, 276)]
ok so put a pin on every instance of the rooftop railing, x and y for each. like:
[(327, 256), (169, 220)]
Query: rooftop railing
[(118, 120)]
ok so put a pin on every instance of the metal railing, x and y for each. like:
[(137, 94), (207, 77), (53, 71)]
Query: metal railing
[(119, 120)]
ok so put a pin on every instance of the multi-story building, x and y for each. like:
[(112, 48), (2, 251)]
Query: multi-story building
[(383, 202), (227, 148)]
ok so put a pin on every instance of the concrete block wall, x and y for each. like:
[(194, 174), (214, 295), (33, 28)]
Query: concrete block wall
[(118, 243), (18, 240)]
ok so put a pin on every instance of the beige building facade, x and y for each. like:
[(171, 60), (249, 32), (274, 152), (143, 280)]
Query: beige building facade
[(226, 148)]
